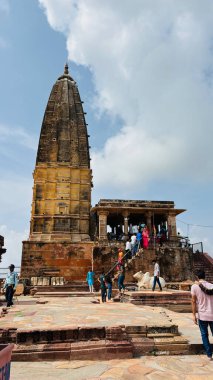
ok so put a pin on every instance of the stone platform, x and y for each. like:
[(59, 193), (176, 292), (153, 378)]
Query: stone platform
[(82, 328), (175, 300)]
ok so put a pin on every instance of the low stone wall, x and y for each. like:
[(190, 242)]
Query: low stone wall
[(94, 343)]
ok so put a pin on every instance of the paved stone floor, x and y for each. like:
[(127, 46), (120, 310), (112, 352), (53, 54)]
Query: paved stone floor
[(86, 311), (148, 368), (76, 311)]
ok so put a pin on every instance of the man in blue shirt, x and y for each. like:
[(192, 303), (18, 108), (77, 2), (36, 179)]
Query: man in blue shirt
[(138, 241), (10, 285)]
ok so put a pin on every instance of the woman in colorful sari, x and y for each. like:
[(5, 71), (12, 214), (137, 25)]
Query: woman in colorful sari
[(145, 235)]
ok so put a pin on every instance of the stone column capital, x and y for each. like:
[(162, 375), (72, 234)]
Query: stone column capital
[(148, 213), (104, 213), (125, 214)]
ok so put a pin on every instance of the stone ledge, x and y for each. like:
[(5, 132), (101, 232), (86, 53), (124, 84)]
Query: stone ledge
[(79, 334)]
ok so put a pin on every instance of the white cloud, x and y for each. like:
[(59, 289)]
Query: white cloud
[(17, 135), (152, 63), (59, 13), (16, 196), (15, 191), (13, 243)]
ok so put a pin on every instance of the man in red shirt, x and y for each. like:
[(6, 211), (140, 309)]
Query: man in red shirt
[(202, 304)]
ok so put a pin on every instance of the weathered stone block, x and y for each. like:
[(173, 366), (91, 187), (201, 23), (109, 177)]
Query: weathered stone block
[(91, 333)]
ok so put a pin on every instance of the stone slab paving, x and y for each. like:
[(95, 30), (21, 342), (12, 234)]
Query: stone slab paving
[(86, 311), (80, 311), (148, 368)]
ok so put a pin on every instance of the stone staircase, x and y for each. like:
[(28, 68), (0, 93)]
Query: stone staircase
[(142, 261), (205, 262)]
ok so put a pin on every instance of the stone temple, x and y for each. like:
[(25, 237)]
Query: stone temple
[(68, 235)]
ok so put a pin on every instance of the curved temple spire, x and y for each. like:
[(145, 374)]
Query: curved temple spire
[(62, 176)]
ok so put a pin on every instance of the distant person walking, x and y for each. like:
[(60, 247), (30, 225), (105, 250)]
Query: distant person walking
[(10, 284), (128, 248), (103, 286), (156, 275), (90, 280), (108, 281), (138, 240), (121, 278), (202, 309), (133, 244)]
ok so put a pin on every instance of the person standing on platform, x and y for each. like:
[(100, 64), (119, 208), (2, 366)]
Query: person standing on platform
[(133, 244), (202, 309), (138, 240), (121, 277), (156, 275), (145, 238), (128, 249), (90, 280), (120, 258), (103, 286), (10, 285), (108, 281)]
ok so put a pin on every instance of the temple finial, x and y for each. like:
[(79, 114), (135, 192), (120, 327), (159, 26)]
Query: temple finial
[(66, 69)]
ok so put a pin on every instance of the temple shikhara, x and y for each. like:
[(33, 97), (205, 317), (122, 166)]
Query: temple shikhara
[(68, 235), (62, 177)]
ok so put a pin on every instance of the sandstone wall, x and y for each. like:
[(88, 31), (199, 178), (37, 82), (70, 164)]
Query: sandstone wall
[(175, 264), (68, 260), (72, 261)]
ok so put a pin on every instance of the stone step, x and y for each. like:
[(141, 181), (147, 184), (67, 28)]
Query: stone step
[(95, 343), (91, 350), (176, 300), (60, 288), (66, 294)]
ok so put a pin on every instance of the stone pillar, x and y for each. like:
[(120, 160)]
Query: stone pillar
[(149, 220), (172, 230), (102, 215), (126, 225)]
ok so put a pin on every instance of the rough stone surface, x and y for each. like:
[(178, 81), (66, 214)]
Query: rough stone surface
[(143, 368)]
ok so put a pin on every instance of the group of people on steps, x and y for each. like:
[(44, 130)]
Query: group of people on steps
[(106, 281)]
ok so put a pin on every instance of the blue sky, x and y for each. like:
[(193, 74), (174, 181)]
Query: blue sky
[(144, 71)]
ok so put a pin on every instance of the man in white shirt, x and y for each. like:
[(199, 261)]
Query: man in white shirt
[(133, 244), (128, 249), (156, 275)]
